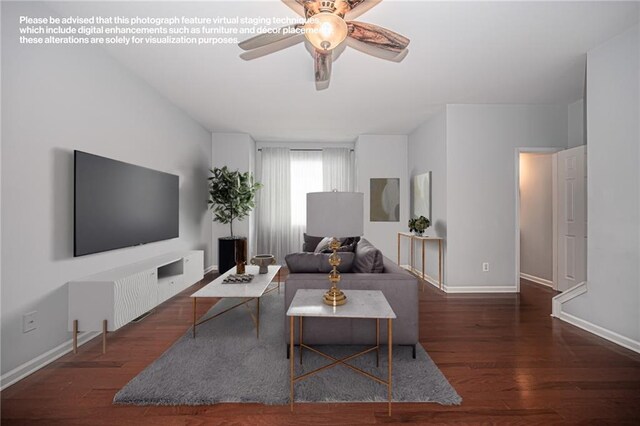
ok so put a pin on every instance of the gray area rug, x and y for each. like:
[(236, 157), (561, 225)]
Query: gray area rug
[(226, 363)]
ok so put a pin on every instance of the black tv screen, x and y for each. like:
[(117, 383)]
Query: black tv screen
[(119, 205)]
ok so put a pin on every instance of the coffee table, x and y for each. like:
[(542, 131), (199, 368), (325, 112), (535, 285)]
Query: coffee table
[(360, 304), (254, 290)]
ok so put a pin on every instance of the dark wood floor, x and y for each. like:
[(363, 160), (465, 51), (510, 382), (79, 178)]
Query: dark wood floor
[(508, 359)]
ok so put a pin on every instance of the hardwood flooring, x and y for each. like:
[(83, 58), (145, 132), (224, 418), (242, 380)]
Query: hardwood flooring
[(508, 359)]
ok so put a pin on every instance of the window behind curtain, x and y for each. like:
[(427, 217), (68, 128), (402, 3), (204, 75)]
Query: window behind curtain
[(306, 176)]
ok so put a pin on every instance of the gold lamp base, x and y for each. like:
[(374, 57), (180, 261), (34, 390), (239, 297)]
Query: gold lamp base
[(334, 297)]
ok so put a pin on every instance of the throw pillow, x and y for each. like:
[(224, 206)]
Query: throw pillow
[(368, 259), (311, 263), (324, 245), (310, 243)]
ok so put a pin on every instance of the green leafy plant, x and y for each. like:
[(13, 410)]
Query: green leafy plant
[(231, 195), (419, 225)]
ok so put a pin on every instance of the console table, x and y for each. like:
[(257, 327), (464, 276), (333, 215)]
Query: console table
[(423, 240), (108, 300)]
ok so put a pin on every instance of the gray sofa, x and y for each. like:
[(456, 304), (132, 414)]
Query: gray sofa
[(400, 289)]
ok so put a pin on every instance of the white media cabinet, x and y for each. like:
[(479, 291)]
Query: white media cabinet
[(108, 300)]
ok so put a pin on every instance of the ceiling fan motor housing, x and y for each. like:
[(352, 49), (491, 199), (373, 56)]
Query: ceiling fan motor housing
[(313, 7)]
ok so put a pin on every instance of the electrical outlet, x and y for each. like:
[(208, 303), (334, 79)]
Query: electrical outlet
[(29, 321), (485, 267)]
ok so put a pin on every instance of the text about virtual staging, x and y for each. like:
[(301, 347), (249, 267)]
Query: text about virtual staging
[(141, 30)]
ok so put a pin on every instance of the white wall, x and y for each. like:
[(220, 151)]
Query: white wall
[(576, 124), (536, 216), (383, 156), (237, 152), (612, 301), (481, 187), (427, 151), (55, 100)]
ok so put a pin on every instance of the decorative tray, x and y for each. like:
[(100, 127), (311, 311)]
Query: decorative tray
[(238, 279)]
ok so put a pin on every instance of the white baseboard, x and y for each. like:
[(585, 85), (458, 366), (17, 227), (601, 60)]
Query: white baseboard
[(612, 336), (607, 334), (210, 269), (481, 289), (46, 358), (418, 273), (462, 289), (564, 297), (536, 280)]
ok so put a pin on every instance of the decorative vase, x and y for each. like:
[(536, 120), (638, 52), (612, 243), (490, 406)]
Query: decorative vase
[(230, 250), (263, 261)]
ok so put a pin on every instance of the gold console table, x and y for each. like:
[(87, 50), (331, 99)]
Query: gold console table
[(424, 239)]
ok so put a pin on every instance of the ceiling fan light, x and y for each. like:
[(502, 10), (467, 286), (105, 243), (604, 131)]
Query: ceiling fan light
[(325, 31)]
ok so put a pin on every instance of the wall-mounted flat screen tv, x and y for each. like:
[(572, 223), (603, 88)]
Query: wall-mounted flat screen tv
[(120, 205)]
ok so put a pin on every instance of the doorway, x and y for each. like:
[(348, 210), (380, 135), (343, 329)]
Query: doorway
[(536, 186), (551, 217)]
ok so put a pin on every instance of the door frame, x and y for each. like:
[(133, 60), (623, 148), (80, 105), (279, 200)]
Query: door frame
[(534, 150)]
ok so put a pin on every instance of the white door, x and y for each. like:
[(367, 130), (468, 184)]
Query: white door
[(572, 217)]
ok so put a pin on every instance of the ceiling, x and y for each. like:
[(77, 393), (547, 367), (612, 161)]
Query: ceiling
[(471, 52)]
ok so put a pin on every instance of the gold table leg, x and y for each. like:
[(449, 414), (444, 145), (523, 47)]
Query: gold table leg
[(440, 263), (291, 355), (423, 267), (300, 339)]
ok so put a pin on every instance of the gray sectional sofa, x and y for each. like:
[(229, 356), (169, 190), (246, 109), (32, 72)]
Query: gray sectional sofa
[(399, 287)]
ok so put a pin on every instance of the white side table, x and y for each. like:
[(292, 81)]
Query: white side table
[(360, 304)]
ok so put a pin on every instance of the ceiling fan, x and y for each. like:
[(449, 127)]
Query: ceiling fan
[(327, 30)]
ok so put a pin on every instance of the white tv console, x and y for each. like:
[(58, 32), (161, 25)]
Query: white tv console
[(108, 300)]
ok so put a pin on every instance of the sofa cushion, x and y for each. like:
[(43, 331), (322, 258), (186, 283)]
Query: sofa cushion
[(310, 243), (310, 263), (368, 259)]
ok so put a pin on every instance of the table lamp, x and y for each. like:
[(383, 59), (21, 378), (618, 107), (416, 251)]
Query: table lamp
[(336, 215)]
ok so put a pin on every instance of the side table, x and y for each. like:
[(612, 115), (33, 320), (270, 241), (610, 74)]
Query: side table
[(361, 304)]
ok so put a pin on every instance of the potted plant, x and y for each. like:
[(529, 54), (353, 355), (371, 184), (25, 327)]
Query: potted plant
[(231, 197), (419, 225)]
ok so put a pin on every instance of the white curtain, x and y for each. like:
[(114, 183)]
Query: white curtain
[(274, 204), (306, 176), (337, 169)]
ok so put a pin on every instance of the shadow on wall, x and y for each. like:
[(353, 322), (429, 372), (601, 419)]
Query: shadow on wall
[(62, 204)]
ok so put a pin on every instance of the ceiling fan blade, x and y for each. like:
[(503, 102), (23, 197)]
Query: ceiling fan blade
[(377, 36), (387, 55), (268, 38), (296, 6), (272, 48), (358, 7), (322, 62)]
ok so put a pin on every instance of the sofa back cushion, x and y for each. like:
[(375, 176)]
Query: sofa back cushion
[(368, 259), (312, 263)]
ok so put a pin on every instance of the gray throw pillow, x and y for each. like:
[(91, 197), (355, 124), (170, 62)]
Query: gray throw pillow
[(368, 258), (311, 263), (310, 243)]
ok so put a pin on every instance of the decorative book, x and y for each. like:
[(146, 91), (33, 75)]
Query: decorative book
[(238, 279)]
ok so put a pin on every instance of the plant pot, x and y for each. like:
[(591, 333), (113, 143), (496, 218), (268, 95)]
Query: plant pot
[(230, 251)]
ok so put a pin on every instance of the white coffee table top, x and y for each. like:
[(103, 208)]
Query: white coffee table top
[(255, 288), (360, 304)]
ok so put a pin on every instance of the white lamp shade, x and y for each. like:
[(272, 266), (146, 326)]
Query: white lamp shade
[(335, 214)]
